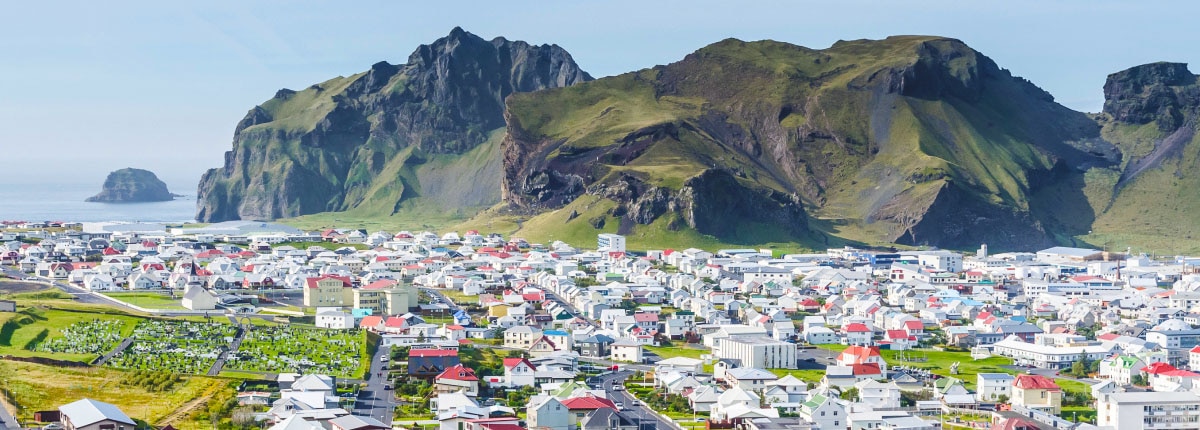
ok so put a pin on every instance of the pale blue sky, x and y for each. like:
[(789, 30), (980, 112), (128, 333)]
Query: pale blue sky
[(95, 86)]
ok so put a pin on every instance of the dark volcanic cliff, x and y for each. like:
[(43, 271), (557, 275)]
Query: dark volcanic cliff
[(361, 142), (131, 185)]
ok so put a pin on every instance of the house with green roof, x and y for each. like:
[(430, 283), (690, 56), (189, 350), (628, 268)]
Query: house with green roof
[(1121, 368), (824, 410)]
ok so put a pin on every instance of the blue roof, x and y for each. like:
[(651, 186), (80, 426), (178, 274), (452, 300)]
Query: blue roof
[(555, 333)]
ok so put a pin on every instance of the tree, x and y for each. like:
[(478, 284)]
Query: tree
[(1002, 399), (850, 394), (1139, 380), (421, 337)]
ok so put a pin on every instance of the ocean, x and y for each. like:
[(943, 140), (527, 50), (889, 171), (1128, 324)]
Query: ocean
[(64, 202)]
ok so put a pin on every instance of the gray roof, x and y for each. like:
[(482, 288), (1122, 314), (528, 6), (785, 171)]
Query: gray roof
[(87, 411), (353, 422)]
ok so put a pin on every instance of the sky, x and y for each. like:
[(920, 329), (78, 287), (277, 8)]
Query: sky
[(89, 87)]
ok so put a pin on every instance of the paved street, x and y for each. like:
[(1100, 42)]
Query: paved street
[(375, 400), (7, 421), (631, 406)]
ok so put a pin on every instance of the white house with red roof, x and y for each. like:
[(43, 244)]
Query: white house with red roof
[(518, 372), (455, 379), (1037, 392), (856, 354), (857, 334), (582, 406), (1194, 358), (899, 340), (1164, 377)]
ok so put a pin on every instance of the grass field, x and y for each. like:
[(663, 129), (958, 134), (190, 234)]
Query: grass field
[(939, 362), (147, 300), (680, 350), (806, 375), (35, 387), (20, 330), (1078, 413)]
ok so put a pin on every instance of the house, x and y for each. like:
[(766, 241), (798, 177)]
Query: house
[(548, 413), (856, 355), (88, 414), (334, 319), (198, 298), (823, 411), (626, 350), (608, 419), (580, 407), (521, 336), (542, 347), (757, 351), (857, 334), (1037, 392), (328, 290), (990, 387), (595, 346), (1120, 368), (356, 422), (704, 397), (457, 378), (878, 394), (749, 378), (738, 405), (428, 363), (519, 372)]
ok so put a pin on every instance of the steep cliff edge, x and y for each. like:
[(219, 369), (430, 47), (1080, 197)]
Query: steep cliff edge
[(367, 141), (131, 185)]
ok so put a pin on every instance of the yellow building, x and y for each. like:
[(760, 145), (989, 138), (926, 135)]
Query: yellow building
[(386, 297), (498, 310), (328, 290), (1037, 392)]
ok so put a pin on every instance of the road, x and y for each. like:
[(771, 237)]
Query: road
[(7, 421), (233, 347), (120, 347), (632, 407), (82, 295), (375, 400)]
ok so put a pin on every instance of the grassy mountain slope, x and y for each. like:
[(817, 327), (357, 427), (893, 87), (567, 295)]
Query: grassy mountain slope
[(915, 140), (361, 143)]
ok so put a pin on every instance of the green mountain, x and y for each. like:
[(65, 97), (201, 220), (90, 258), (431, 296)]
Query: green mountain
[(1149, 200), (393, 137), (131, 185), (911, 140)]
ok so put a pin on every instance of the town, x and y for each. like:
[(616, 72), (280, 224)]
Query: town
[(352, 330)]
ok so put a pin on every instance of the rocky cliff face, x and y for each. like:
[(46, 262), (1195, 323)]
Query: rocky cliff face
[(131, 185), (919, 139), (361, 141)]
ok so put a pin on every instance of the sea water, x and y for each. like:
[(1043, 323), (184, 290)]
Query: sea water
[(65, 202)]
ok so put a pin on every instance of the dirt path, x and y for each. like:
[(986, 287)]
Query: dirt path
[(187, 408)]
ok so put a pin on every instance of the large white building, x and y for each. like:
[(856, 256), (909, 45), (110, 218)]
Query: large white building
[(610, 242), (760, 351), (1050, 357), (1148, 410)]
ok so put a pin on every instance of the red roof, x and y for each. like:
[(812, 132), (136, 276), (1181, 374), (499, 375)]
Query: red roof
[(370, 321), (897, 334), (111, 251), (858, 354), (312, 282), (1030, 382), (395, 322), (501, 426), (432, 353), (1195, 349), (857, 328), (645, 317), (588, 402), (913, 325), (380, 284), (454, 327), (866, 369), (458, 372), (533, 297), (1158, 368), (1107, 336), (513, 362)]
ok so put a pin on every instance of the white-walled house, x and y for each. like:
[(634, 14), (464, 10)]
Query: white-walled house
[(990, 386)]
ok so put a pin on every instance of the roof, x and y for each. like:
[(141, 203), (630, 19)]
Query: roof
[(354, 422), (513, 362), (312, 282), (370, 321), (432, 353), (857, 328), (1030, 382), (87, 411), (458, 372), (588, 402)]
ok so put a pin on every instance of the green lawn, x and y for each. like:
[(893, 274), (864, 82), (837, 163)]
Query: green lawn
[(458, 297), (148, 300), (1073, 386), (806, 375), (1078, 413), (21, 332), (939, 362), (679, 350)]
